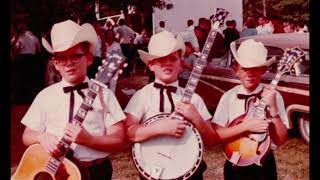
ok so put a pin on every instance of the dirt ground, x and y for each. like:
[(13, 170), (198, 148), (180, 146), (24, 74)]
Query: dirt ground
[(292, 158)]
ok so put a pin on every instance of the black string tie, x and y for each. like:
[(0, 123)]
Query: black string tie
[(170, 89), (71, 89), (247, 96)]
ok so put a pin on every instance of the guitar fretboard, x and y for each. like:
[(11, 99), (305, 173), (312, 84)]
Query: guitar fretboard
[(64, 145)]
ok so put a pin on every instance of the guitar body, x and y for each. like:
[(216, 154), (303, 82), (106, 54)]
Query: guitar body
[(250, 149), (33, 166)]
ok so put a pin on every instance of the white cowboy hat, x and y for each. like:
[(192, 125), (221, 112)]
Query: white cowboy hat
[(161, 45), (67, 34), (251, 54)]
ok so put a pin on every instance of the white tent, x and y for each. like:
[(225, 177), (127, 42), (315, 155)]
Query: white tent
[(176, 18)]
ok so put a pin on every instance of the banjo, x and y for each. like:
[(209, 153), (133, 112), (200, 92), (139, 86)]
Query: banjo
[(167, 157)]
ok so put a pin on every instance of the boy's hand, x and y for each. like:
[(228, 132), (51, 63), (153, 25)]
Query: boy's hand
[(256, 125), (50, 143), (188, 111), (76, 133)]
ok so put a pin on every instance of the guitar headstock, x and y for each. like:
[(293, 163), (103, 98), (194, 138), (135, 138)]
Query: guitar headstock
[(219, 17), (115, 62), (289, 59)]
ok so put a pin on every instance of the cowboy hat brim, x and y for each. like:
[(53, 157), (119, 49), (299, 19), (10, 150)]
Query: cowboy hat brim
[(147, 57), (233, 49), (86, 33)]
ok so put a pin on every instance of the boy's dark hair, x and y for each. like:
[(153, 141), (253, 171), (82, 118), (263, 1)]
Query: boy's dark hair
[(122, 22), (162, 24), (190, 22)]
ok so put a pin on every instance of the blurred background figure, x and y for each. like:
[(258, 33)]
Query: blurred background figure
[(230, 33), (301, 27), (250, 27), (162, 27), (188, 35), (264, 26), (27, 66), (99, 51), (111, 45), (289, 26), (277, 24), (126, 36), (189, 60)]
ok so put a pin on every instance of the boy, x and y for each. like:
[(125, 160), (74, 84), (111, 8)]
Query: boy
[(49, 117), (164, 59), (251, 63)]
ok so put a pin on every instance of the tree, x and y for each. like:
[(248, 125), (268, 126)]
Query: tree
[(296, 10)]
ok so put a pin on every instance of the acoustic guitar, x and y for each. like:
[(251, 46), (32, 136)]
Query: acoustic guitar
[(36, 163), (164, 157), (254, 147)]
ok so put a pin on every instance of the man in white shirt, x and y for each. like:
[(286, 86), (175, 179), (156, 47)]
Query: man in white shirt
[(126, 36), (51, 118), (265, 26), (251, 63), (188, 35)]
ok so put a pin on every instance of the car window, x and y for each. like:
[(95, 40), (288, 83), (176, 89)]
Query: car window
[(221, 61)]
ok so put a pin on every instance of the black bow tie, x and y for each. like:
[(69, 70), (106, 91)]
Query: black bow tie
[(170, 89), (71, 89), (247, 96)]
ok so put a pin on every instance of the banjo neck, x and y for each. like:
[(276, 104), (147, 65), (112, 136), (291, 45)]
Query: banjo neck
[(198, 67)]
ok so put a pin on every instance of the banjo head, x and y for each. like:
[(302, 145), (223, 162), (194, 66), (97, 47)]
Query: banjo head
[(167, 157)]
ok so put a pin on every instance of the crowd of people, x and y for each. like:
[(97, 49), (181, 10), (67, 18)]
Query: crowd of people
[(76, 51)]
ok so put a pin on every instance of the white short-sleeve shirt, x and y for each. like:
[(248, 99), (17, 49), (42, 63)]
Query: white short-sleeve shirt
[(145, 102), (230, 107), (49, 112)]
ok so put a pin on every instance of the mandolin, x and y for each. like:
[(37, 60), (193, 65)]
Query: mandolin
[(253, 148)]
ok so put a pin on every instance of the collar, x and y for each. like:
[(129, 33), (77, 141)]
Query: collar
[(242, 90), (175, 84), (66, 83)]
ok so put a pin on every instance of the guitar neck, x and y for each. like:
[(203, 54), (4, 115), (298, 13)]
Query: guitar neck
[(64, 144), (198, 67), (260, 108)]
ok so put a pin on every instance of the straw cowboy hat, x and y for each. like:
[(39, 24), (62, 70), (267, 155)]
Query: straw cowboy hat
[(67, 34), (161, 45), (251, 54)]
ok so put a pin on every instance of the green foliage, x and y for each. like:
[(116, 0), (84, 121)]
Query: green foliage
[(296, 10)]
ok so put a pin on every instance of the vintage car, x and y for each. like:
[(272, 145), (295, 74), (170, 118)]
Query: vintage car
[(218, 77)]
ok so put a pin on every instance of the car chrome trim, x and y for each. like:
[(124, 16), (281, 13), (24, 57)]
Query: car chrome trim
[(280, 88)]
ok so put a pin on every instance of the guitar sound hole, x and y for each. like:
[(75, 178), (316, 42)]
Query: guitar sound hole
[(43, 176)]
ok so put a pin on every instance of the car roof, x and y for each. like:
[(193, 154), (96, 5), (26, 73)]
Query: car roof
[(281, 40)]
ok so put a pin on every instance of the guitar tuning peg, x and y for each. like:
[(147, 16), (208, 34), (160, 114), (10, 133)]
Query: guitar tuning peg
[(125, 64), (104, 61), (115, 78), (100, 68), (120, 71)]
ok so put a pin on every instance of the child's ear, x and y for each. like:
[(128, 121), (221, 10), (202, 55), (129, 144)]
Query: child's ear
[(55, 64), (89, 58)]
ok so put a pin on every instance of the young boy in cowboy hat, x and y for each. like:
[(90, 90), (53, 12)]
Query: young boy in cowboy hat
[(164, 59), (251, 63), (48, 118)]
